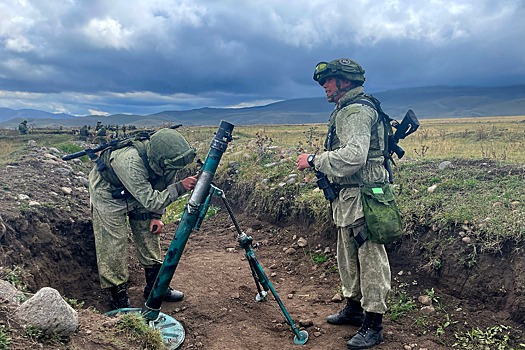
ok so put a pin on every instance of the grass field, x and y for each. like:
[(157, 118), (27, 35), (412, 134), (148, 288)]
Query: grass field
[(483, 189)]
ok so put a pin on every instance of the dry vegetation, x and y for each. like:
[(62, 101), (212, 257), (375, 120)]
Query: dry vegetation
[(477, 200)]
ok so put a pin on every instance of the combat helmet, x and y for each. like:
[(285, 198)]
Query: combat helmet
[(342, 67), (168, 150)]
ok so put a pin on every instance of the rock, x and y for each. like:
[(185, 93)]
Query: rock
[(34, 204), (428, 309), (306, 323), (66, 190), (8, 293), (444, 165), (290, 251), (290, 296), (31, 143), (50, 156), (514, 204), (23, 197), (466, 239), (48, 311), (301, 242), (84, 181), (63, 171), (337, 298), (327, 250), (425, 300), (432, 188)]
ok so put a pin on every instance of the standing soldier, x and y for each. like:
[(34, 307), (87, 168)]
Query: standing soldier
[(354, 156), (83, 133), (22, 128)]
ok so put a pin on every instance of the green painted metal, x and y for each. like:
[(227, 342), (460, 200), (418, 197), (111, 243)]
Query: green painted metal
[(223, 136), (262, 282)]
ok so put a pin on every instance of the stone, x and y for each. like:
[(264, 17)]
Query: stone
[(48, 311)]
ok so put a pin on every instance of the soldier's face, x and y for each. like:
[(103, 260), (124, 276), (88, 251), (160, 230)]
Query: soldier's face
[(332, 91)]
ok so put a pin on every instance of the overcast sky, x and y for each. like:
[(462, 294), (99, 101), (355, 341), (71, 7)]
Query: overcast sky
[(129, 56)]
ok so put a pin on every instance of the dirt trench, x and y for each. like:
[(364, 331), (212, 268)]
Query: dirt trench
[(56, 249)]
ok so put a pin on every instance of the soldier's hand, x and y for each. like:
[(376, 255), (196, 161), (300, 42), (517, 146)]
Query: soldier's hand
[(189, 182), (156, 226), (302, 161)]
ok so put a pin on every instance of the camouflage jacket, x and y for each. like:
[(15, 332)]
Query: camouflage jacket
[(148, 196), (355, 157)]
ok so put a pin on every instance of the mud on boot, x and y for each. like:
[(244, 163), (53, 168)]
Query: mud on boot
[(352, 314), (119, 297), (151, 273), (370, 334)]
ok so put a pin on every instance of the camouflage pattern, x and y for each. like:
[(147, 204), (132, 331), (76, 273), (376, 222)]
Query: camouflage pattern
[(365, 276), (348, 161), (342, 67), (22, 128), (352, 158), (168, 150), (110, 215)]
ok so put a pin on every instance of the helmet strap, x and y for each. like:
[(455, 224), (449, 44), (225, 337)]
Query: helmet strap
[(339, 90)]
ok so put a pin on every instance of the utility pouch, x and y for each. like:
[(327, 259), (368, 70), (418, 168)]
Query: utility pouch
[(382, 215)]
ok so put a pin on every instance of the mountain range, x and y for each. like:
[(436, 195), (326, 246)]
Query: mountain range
[(426, 102)]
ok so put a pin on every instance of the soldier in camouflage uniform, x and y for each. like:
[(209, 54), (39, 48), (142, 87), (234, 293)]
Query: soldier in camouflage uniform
[(22, 128), (353, 156), (136, 187)]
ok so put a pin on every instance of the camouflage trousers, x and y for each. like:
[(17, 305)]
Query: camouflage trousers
[(365, 272), (111, 240)]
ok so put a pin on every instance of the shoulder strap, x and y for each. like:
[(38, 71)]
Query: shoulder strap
[(141, 149)]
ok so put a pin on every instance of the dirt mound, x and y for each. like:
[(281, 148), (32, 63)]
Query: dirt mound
[(45, 210)]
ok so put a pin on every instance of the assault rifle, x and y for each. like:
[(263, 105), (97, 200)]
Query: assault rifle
[(408, 125), (91, 151)]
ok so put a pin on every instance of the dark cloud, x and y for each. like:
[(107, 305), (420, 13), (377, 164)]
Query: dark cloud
[(123, 57)]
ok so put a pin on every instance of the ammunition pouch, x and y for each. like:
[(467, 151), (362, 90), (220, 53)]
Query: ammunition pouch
[(382, 215)]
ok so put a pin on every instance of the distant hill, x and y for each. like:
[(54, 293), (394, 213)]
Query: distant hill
[(426, 102)]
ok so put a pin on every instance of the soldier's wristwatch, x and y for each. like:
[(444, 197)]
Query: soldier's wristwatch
[(310, 160)]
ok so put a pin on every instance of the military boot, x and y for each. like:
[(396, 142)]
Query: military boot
[(370, 334), (119, 297), (151, 275), (352, 314)]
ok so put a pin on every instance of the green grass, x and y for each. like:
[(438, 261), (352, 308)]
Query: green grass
[(496, 337), (5, 340), (134, 327), (484, 199), (399, 305)]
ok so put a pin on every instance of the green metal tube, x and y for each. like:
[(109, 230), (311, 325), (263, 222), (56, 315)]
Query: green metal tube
[(188, 221)]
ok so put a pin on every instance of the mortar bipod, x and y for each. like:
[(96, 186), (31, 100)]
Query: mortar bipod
[(259, 276)]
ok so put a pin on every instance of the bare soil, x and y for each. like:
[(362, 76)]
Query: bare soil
[(53, 242)]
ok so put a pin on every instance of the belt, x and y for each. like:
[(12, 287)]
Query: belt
[(139, 216)]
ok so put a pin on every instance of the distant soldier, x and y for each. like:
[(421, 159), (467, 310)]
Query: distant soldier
[(84, 133), (22, 128), (124, 130), (100, 134)]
